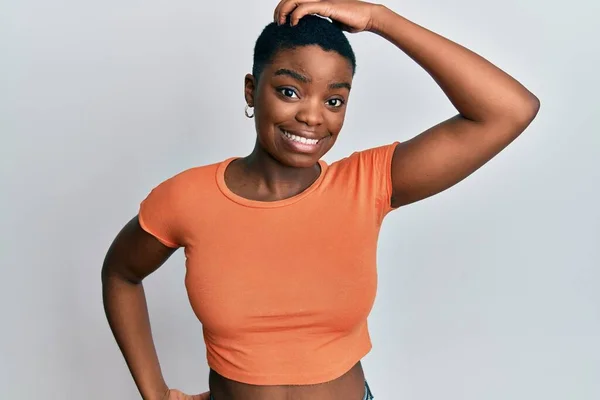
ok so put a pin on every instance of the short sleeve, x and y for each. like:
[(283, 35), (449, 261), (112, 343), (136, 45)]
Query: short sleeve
[(159, 214), (376, 165)]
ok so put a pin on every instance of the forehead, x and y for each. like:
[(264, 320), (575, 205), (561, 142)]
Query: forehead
[(314, 62)]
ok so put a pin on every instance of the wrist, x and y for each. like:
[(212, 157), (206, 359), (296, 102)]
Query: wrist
[(378, 15), (159, 393), (382, 19)]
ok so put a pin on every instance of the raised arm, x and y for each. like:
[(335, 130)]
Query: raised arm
[(133, 255), (493, 110)]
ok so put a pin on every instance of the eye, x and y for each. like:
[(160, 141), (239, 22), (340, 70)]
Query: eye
[(336, 103), (288, 92)]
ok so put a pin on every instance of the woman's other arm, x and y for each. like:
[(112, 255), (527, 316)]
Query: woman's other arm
[(494, 109), (133, 255)]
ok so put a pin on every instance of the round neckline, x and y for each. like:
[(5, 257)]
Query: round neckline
[(220, 178)]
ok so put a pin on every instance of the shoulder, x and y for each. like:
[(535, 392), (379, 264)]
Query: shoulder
[(366, 174)]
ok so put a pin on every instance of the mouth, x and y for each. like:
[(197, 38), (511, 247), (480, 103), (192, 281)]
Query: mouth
[(300, 142), (300, 138)]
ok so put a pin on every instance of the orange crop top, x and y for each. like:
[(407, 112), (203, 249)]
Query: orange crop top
[(282, 289)]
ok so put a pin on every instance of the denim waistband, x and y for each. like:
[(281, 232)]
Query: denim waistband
[(368, 394)]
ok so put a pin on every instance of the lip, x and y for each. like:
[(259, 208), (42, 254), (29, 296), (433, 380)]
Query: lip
[(304, 134), (298, 147)]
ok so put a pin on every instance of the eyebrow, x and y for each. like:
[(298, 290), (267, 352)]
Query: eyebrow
[(293, 74), (299, 77), (340, 85)]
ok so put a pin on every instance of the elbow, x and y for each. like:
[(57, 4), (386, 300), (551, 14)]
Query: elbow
[(534, 106), (519, 112), (528, 109), (516, 112)]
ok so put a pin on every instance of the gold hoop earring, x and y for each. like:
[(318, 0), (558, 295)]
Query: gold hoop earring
[(247, 113)]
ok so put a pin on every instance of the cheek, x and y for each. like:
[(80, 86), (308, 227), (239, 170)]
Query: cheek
[(336, 121), (272, 110)]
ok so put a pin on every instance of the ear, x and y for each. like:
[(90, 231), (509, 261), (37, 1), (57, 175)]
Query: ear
[(249, 89)]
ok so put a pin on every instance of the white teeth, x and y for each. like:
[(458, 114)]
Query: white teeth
[(300, 139)]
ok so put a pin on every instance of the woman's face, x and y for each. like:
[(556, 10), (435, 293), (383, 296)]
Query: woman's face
[(300, 103)]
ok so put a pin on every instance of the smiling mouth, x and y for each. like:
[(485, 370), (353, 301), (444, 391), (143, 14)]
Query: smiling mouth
[(300, 139)]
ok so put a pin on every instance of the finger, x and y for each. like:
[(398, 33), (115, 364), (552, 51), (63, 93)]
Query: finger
[(289, 6), (203, 396), (276, 11), (321, 8), (277, 17)]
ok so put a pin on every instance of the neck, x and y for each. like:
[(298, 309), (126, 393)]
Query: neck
[(269, 174)]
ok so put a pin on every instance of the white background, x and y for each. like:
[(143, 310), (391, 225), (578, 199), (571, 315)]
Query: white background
[(487, 291)]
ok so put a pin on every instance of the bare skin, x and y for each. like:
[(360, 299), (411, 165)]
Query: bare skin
[(309, 97), (350, 386)]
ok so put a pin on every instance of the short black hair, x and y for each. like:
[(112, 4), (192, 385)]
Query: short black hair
[(310, 30)]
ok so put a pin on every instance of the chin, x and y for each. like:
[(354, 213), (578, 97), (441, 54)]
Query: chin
[(297, 160)]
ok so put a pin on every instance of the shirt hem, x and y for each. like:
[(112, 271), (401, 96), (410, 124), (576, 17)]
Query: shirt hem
[(293, 379)]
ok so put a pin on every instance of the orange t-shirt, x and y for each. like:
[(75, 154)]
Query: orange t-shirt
[(282, 289)]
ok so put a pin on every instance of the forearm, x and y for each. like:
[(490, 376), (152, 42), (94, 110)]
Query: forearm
[(479, 90), (127, 313)]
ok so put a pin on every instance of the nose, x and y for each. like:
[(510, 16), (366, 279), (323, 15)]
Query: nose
[(310, 112)]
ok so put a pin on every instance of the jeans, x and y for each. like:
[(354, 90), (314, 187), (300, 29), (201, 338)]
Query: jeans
[(368, 395)]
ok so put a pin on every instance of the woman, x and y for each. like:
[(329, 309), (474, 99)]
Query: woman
[(280, 246)]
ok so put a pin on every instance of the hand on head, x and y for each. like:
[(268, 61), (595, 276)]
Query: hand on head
[(352, 15)]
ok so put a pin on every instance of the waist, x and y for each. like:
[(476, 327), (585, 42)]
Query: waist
[(351, 385)]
